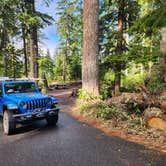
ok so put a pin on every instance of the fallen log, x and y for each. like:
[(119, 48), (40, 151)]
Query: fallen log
[(140, 99)]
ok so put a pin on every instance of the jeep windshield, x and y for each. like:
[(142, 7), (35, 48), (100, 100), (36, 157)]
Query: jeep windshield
[(20, 87)]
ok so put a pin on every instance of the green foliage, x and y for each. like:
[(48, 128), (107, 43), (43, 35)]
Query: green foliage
[(84, 108), (154, 82), (41, 84), (84, 95), (100, 109), (16, 20), (134, 108), (142, 22), (75, 67), (152, 17), (61, 69), (145, 32), (132, 82), (94, 106), (46, 66), (107, 83), (108, 30), (68, 58), (106, 112)]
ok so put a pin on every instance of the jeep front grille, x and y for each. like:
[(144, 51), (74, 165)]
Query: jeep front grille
[(36, 104)]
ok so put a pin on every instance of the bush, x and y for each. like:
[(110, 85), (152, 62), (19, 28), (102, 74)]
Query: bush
[(94, 106), (154, 82), (106, 91), (106, 88), (84, 95), (86, 99), (132, 82), (106, 112)]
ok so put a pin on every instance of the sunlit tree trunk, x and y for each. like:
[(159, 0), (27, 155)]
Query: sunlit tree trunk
[(119, 48), (90, 69)]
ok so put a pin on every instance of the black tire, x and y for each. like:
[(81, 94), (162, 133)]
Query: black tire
[(9, 123), (52, 120)]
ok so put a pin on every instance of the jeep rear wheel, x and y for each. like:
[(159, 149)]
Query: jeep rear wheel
[(52, 120), (9, 124)]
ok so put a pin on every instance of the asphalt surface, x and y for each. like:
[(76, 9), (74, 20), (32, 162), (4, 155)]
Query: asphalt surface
[(71, 143)]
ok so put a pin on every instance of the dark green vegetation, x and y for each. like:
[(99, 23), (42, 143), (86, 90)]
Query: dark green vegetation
[(129, 43)]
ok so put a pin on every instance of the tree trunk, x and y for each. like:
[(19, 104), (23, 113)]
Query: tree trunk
[(45, 81), (24, 36), (3, 44), (33, 53), (6, 65), (90, 47), (25, 53), (119, 49), (64, 68), (163, 59), (32, 41)]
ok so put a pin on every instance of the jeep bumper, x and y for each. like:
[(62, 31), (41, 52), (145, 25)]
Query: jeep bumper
[(37, 115)]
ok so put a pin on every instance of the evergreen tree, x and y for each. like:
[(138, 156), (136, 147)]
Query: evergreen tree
[(116, 18), (70, 31)]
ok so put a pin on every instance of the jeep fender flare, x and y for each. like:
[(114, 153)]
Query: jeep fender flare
[(10, 106)]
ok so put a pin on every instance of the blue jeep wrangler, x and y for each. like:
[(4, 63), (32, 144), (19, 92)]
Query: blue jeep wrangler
[(22, 101)]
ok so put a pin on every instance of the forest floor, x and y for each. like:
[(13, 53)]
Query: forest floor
[(152, 138)]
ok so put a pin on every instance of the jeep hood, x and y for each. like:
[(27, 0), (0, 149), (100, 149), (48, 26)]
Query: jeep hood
[(18, 97)]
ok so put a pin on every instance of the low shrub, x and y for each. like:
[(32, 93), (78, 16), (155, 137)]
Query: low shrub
[(107, 83), (132, 82), (94, 106), (154, 82)]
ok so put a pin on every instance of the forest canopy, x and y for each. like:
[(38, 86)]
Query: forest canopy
[(128, 39)]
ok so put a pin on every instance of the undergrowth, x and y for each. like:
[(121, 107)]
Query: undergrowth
[(129, 118), (94, 106)]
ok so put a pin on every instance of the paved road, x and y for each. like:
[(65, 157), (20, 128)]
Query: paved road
[(71, 143)]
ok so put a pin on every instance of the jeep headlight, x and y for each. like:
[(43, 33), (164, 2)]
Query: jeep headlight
[(48, 101), (54, 103), (23, 104)]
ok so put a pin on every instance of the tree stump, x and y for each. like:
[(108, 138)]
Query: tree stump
[(74, 92), (155, 118)]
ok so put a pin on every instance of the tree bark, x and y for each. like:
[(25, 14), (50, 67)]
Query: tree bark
[(3, 44), (33, 53), (119, 49), (24, 37), (90, 69), (32, 41), (163, 59), (25, 53)]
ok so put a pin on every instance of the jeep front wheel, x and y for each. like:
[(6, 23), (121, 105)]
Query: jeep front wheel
[(9, 124), (52, 120)]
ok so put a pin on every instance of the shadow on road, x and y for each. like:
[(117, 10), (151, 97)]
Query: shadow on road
[(27, 129)]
